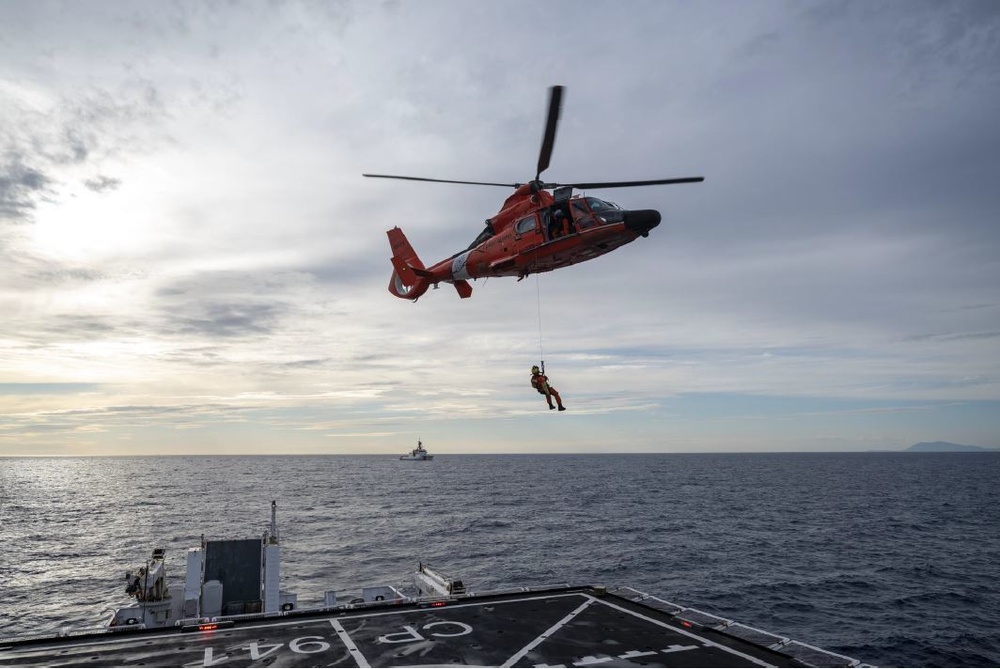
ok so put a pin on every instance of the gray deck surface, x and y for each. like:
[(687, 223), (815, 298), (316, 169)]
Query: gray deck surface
[(574, 627)]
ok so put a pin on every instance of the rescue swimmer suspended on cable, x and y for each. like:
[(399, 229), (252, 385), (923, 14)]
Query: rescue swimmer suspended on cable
[(540, 382), (534, 231)]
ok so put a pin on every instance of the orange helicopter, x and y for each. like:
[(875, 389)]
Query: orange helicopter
[(534, 231)]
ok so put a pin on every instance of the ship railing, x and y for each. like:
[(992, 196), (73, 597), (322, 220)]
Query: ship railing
[(647, 599), (518, 590), (803, 652), (301, 610), (424, 599), (68, 631), (208, 620), (818, 657)]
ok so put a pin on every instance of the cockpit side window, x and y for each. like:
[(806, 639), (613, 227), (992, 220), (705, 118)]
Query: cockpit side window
[(582, 215), (526, 224)]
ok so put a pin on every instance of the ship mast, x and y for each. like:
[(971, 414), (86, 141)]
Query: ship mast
[(273, 538)]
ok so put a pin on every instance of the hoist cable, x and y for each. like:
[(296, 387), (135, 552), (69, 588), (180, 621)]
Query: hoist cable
[(538, 298)]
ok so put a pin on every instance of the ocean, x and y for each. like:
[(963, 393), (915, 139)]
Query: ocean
[(891, 558)]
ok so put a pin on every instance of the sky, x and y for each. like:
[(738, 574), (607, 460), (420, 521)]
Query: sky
[(192, 263)]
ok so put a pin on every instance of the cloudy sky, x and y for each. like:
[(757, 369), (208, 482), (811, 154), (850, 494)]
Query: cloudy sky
[(191, 261)]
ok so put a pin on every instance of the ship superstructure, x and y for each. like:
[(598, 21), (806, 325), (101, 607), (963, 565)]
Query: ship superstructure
[(418, 453)]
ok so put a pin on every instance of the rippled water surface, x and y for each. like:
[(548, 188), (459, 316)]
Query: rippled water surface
[(893, 558)]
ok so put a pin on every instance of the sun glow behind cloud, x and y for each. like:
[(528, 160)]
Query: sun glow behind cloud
[(91, 227)]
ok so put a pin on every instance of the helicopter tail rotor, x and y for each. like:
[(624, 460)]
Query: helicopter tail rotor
[(409, 276)]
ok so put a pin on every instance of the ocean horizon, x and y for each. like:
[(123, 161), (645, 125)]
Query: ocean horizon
[(890, 557)]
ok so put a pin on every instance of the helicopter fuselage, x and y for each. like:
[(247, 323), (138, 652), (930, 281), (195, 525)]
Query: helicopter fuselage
[(534, 232)]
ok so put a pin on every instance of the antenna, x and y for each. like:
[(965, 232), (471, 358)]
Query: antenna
[(274, 522)]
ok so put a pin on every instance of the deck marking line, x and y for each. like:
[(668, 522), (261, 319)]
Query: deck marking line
[(549, 632), (703, 640), (351, 647), (677, 648), (210, 660)]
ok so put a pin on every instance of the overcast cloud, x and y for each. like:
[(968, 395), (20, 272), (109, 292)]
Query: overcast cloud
[(191, 262)]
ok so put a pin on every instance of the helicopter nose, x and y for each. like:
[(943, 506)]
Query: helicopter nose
[(641, 221)]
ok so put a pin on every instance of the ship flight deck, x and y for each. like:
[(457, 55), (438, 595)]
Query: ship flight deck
[(560, 627)]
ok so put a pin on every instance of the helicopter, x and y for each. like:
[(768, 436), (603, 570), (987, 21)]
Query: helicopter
[(534, 231)]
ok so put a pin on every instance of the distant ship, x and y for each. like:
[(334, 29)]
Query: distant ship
[(418, 453)]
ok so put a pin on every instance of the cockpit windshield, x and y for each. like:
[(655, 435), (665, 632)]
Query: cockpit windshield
[(589, 212), (598, 205)]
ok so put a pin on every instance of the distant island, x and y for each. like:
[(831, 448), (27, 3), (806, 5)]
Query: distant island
[(945, 447)]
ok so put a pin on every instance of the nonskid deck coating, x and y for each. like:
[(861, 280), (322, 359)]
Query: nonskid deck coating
[(578, 627)]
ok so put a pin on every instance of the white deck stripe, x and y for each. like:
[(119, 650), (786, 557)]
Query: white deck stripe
[(346, 639), (703, 640), (549, 632)]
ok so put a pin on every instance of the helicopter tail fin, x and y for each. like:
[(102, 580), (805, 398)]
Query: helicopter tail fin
[(410, 279)]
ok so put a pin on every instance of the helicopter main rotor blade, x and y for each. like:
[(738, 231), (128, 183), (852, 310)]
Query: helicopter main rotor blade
[(440, 181), (549, 138), (626, 184)]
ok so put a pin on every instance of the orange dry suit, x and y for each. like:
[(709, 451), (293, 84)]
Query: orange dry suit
[(540, 382)]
